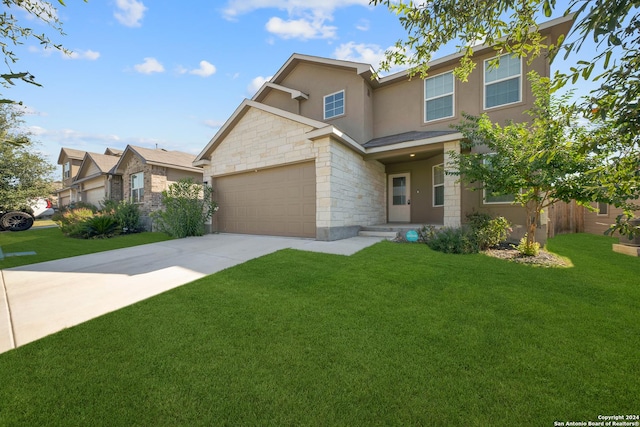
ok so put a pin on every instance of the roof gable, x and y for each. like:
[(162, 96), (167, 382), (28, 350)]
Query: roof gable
[(71, 154), (239, 113), (157, 157)]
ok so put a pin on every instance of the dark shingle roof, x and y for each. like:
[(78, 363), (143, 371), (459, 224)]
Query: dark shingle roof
[(405, 137)]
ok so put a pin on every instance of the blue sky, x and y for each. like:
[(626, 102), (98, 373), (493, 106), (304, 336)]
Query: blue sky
[(169, 73)]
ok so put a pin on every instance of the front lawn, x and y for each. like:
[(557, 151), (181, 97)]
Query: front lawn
[(50, 244), (394, 335)]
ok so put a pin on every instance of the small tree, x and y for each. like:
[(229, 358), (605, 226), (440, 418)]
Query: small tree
[(539, 162), (187, 206)]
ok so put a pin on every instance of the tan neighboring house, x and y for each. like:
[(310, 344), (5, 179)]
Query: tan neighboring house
[(70, 160), (96, 180), (322, 149), (145, 173)]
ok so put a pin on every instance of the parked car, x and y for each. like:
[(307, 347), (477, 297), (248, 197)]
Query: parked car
[(41, 208), (20, 220), (15, 220)]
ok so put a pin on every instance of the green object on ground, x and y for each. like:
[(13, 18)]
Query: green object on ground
[(51, 244), (396, 334)]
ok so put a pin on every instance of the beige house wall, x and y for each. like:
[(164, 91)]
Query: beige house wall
[(318, 81)]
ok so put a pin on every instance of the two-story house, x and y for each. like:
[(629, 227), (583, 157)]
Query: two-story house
[(324, 148)]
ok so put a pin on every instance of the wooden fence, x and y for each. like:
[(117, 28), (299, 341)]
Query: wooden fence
[(565, 218)]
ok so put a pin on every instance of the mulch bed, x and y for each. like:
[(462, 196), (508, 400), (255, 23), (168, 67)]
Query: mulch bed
[(545, 259)]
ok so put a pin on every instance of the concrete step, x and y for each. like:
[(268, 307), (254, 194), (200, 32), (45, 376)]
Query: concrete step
[(389, 235)]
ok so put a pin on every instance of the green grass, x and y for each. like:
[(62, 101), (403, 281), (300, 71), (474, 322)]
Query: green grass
[(394, 335), (50, 244)]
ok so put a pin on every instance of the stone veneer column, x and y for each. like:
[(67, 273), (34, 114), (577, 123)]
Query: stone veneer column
[(452, 190)]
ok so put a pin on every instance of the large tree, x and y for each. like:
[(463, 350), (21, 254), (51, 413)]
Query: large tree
[(14, 32), (24, 173), (537, 162)]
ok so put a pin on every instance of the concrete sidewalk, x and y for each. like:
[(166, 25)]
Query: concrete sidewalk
[(39, 299)]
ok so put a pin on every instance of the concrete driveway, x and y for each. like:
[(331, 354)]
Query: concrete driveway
[(40, 299)]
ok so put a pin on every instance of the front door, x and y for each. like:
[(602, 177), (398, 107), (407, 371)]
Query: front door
[(399, 198)]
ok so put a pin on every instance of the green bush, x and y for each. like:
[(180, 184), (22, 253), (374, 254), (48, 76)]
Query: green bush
[(528, 249), (126, 214), (451, 240), (99, 227), (488, 231), (71, 221), (187, 206)]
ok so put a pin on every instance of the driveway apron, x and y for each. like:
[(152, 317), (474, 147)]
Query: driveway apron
[(40, 299)]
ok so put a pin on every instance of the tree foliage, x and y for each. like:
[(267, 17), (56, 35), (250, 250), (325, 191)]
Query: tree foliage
[(539, 162), (14, 32), (24, 173)]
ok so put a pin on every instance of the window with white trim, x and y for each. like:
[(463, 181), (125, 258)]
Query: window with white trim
[(66, 170), (493, 198), (137, 187), (438, 97), (502, 83), (334, 105), (438, 185), (603, 209)]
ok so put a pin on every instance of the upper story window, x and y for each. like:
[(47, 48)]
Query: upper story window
[(137, 187), (502, 84), (603, 209), (334, 105), (66, 170), (438, 185), (438, 97)]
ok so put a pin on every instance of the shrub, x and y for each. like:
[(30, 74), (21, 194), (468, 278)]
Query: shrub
[(126, 214), (71, 221), (187, 206), (451, 240), (528, 249), (488, 231), (99, 227)]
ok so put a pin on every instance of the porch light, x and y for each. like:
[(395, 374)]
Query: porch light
[(412, 155)]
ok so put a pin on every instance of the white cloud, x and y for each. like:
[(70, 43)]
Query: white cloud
[(363, 25), (149, 66), (130, 12), (206, 69), (306, 18), (214, 124), (361, 52), (88, 54), (300, 28), (256, 84), (293, 7)]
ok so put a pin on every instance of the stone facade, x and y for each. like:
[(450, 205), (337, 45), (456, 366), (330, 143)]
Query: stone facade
[(350, 192), (155, 182), (452, 190)]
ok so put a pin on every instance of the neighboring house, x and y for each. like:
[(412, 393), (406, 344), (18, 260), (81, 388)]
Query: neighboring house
[(147, 172), (324, 149), (96, 180), (70, 160)]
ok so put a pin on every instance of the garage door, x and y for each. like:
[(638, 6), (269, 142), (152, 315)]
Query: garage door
[(276, 202), (94, 196)]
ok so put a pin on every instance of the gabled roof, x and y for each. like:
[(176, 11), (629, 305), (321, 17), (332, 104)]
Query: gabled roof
[(70, 153), (105, 164), (406, 137), (320, 128), (158, 157), (113, 152)]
